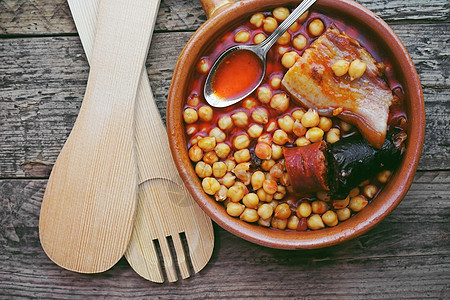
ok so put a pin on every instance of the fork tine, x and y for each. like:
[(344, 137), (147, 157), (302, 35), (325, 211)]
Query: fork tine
[(181, 257), (168, 261)]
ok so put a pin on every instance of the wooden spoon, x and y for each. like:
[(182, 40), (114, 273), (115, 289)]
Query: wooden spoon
[(88, 208), (165, 208)]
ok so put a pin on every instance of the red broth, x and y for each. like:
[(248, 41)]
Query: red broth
[(236, 75)]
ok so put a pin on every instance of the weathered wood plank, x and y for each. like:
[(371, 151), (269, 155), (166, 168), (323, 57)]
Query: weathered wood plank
[(37, 17), (43, 81), (407, 255)]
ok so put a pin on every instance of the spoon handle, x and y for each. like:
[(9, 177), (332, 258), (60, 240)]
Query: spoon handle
[(300, 10)]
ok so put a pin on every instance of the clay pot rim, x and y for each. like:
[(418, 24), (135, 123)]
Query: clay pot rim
[(378, 209)]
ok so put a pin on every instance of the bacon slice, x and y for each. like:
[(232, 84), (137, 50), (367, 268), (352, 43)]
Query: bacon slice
[(363, 102)]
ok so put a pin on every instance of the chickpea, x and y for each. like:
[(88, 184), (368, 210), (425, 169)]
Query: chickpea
[(210, 185), (357, 203), (265, 211), (249, 215), (277, 151), (294, 27), (251, 200), (293, 222), (263, 196), (303, 17), (343, 214), (242, 37), (279, 223), (289, 59), (354, 192), (265, 138), (264, 222), (276, 171), (282, 49), (275, 82), (281, 192), (218, 134), (383, 176), (222, 150), (210, 157), (298, 129), (280, 13), (315, 222), (221, 194), (195, 153), (257, 19), (319, 206), (280, 102), (255, 131), (340, 67), (270, 186), (236, 192), (270, 24), (203, 170), (241, 141), (302, 141), (333, 135), (299, 42), (219, 169), (285, 179), (242, 156), (284, 39), (356, 69), (310, 118), (193, 100), (323, 195), (235, 209), (240, 119), (316, 27), (257, 180), (205, 113), (282, 211), (207, 143), (242, 172), (195, 139), (370, 190), (260, 115), (230, 163), (304, 209), (191, 129), (298, 114), (280, 137), (338, 204), (264, 94), (249, 103), (190, 116), (273, 203), (225, 123), (314, 134), (325, 123), (259, 38), (203, 67), (271, 126), (266, 165), (345, 126), (286, 123), (228, 180), (263, 150), (330, 218)]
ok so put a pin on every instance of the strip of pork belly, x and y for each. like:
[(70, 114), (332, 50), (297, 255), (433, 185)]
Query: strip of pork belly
[(363, 102)]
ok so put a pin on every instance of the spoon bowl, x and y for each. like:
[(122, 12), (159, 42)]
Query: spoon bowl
[(259, 51)]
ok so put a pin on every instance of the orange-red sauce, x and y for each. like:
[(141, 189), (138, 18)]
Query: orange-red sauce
[(237, 74)]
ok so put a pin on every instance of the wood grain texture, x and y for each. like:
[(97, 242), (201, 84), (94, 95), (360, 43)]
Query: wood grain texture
[(43, 17), (164, 206), (407, 256), (88, 209), (44, 80)]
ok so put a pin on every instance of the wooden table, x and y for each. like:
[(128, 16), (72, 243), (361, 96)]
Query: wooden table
[(43, 74)]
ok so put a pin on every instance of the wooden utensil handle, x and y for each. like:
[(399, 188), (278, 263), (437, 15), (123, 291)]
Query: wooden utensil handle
[(211, 7)]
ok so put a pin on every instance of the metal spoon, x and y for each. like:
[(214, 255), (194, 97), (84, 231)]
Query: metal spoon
[(259, 50)]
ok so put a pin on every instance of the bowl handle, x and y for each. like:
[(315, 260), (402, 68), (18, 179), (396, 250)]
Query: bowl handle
[(211, 7)]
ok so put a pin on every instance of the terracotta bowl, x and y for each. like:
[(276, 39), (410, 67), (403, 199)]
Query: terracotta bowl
[(388, 198)]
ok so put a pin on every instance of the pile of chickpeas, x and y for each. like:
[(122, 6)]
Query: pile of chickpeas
[(237, 152)]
